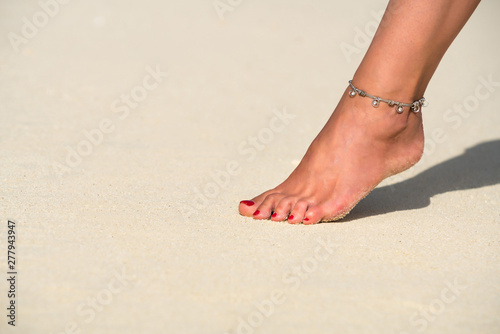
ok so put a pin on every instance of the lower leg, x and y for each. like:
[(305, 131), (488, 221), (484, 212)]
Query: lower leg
[(412, 38), (360, 146)]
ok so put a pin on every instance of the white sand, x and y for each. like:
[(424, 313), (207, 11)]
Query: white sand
[(127, 206)]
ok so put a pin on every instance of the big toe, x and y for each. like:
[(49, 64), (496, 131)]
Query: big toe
[(247, 208)]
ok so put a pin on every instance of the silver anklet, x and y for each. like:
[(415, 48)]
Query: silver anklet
[(400, 106)]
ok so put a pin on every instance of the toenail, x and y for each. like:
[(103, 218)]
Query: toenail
[(306, 219), (274, 214), (290, 217), (256, 213), (248, 203)]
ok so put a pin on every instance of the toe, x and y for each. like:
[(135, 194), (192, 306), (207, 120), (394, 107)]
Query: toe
[(264, 210), (313, 215), (282, 210), (247, 208), (298, 212)]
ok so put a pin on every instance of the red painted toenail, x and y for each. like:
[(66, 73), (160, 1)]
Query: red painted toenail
[(290, 217), (256, 213), (274, 214), (306, 219), (248, 203)]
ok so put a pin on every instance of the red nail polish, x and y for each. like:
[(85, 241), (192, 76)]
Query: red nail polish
[(274, 214), (248, 203), (290, 217), (306, 219), (256, 213)]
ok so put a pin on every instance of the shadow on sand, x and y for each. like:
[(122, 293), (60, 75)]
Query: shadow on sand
[(477, 167)]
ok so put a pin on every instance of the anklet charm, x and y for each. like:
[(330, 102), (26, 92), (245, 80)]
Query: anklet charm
[(415, 106)]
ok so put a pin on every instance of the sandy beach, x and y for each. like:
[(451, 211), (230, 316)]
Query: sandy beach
[(131, 130)]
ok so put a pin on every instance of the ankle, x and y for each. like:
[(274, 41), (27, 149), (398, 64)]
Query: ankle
[(415, 106), (392, 80), (404, 90)]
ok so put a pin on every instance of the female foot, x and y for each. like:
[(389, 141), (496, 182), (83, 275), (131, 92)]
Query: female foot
[(358, 148)]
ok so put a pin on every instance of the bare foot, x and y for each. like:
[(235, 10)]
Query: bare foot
[(358, 148)]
